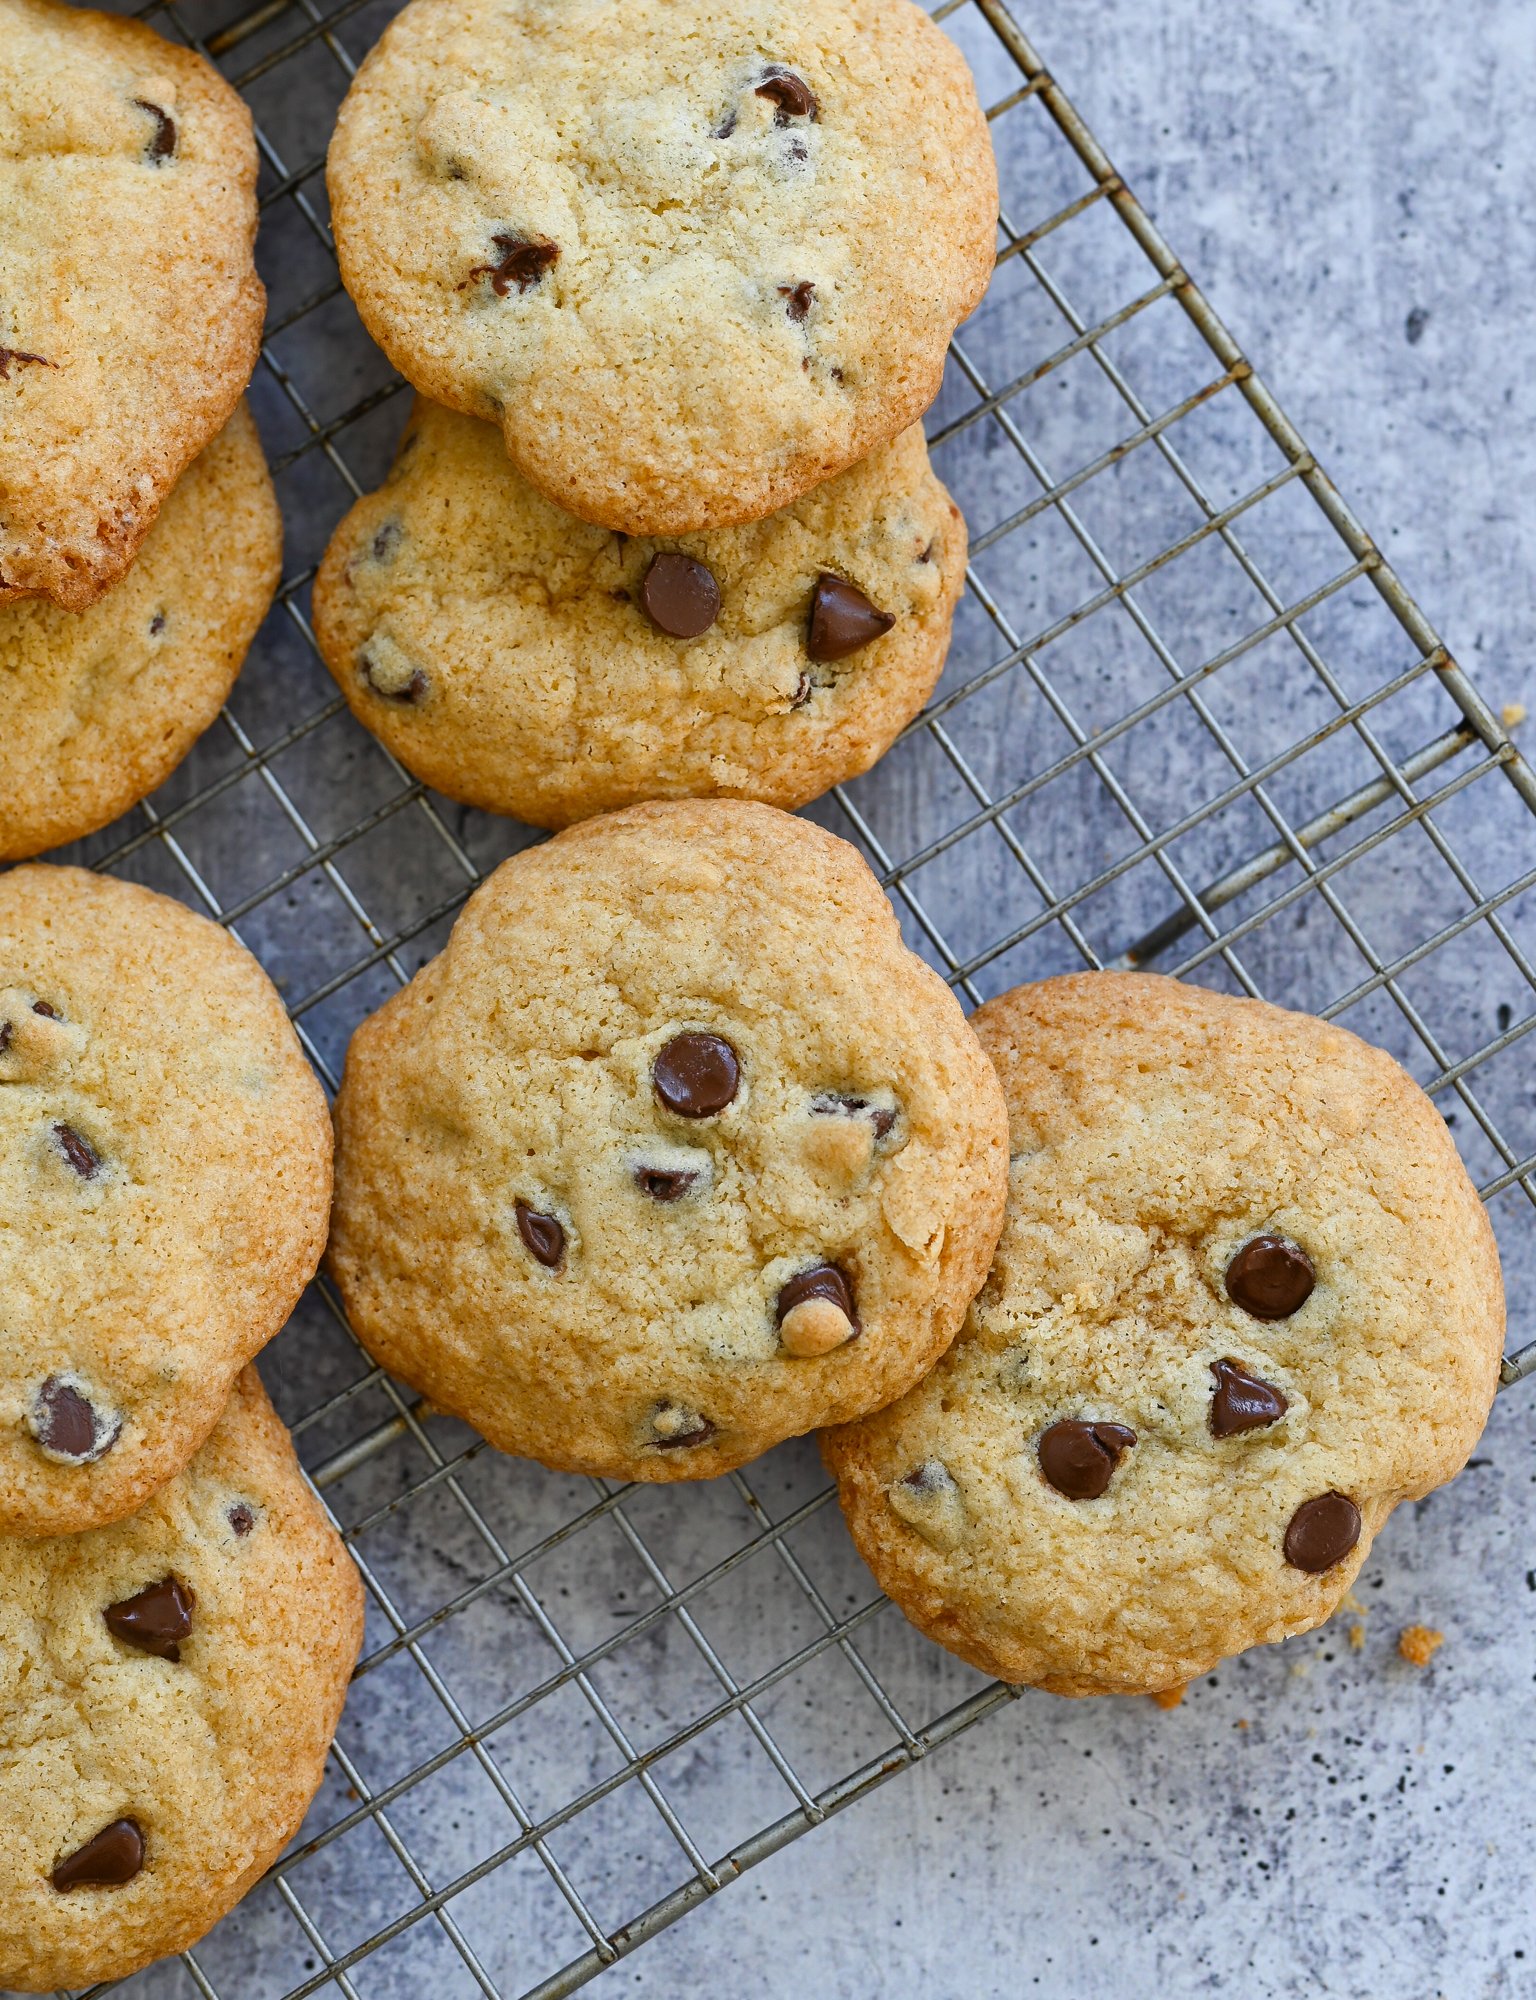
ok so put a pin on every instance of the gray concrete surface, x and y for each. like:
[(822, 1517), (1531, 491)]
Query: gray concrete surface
[(1351, 183)]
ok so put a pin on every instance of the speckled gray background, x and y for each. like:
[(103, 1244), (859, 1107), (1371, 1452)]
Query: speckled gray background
[(1351, 183)]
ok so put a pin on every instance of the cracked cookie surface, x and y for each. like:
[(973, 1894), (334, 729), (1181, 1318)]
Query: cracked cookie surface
[(169, 1687), (1246, 1301), (521, 660), (675, 1151), (101, 705), (694, 261), (130, 310), (164, 1181)]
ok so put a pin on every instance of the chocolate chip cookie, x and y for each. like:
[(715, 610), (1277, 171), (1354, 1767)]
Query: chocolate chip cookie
[(164, 1179), (171, 1687), (675, 1151), (101, 705), (692, 264), (519, 659), (1245, 1302), (130, 311)]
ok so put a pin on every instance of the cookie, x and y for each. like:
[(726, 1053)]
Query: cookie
[(101, 705), (164, 1179), (692, 262), (130, 310), (519, 659), (171, 1687), (1246, 1301), (674, 1152)]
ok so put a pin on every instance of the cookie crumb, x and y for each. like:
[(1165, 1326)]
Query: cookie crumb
[(1171, 1697), (1418, 1644), (1512, 714), (1356, 1638)]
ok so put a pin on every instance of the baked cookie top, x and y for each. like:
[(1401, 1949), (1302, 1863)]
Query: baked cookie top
[(514, 657), (130, 310), (1245, 1302), (101, 705), (164, 1180), (674, 1152), (693, 261), (169, 1688)]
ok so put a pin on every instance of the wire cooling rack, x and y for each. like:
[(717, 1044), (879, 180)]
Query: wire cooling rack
[(1192, 720)]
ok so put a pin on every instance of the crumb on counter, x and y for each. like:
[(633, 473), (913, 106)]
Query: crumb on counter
[(1171, 1697), (1356, 1638), (1418, 1644), (1512, 714)]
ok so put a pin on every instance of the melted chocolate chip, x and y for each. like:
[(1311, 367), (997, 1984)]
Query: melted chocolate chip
[(800, 297), (157, 625), (696, 1075), (1322, 1532), (386, 541), (8, 355), (665, 1183), (1242, 1402), (7, 1029), (155, 1621), (842, 619), (542, 1235), (674, 1428), (681, 596), (822, 1281), (107, 1860), (832, 1103), (521, 263), (1079, 1459), (790, 95), (1270, 1278), (48, 1013), (68, 1424), (408, 691), (726, 126), (80, 1153), (803, 690), (242, 1519), (163, 145)]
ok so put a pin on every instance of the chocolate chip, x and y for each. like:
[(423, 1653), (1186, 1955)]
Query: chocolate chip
[(1270, 1278), (803, 690), (22, 360), (681, 596), (386, 541), (543, 1236), (69, 1425), (155, 1621), (821, 1281), (1322, 1532), (7, 1029), (80, 1153), (696, 1075), (842, 619), (790, 95), (522, 263), (832, 1103), (673, 1427), (157, 625), (1079, 1458), (799, 297), (242, 1519), (726, 127), (1242, 1402), (393, 677), (163, 145), (665, 1183), (48, 1013), (107, 1860)]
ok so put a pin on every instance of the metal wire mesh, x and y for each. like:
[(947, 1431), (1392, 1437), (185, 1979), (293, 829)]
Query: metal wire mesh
[(1191, 715)]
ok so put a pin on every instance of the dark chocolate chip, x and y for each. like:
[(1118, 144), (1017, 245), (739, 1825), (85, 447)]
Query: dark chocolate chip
[(107, 1860), (821, 1281), (1079, 1458), (666, 1183), (22, 360), (677, 1428), (1242, 1402), (163, 145), (242, 1519), (832, 1103), (800, 297), (68, 1424), (696, 1075), (42, 1007), (803, 690), (1270, 1278), (842, 619), (7, 1029), (386, 541), (1322, 1532), (680, 595), (408, 695), (521, 263), (727, 126), (157, 625), (156, 1620), (542, 1235), (80, 1153), (790, 95)]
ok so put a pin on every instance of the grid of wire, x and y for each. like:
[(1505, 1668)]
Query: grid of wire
[(1185, 686)]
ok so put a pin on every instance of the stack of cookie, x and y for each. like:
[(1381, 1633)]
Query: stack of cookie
[(139, 534), (675, 291)]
